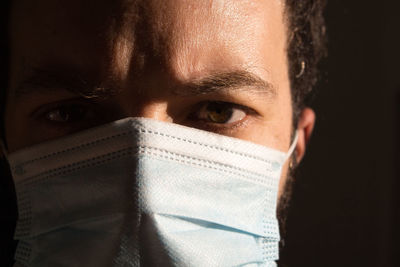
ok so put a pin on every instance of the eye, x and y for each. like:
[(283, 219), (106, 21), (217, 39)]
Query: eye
[(217, 112), (67, 114)]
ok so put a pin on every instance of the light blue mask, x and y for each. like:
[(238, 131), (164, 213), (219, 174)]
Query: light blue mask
[(139, 192)]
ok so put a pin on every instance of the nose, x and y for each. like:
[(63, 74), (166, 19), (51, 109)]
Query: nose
[(150, 96), (155, 109)]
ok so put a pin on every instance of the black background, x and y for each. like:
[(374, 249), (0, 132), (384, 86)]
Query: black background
[(345, 209)]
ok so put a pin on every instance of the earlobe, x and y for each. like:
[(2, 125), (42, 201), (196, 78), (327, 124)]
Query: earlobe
[(305, 127)]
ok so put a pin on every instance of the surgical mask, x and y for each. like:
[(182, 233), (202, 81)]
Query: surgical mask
[(140, 192)]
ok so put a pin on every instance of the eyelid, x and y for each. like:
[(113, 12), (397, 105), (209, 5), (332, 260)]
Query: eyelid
[(248, 110), (93, 114), (225, 129), (103, 116), (40, 111)]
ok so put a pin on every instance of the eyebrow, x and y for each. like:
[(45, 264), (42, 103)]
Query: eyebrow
[(228, 81), (47, 80)]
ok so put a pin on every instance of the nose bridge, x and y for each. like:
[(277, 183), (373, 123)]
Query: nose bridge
[(149, 80), (146, 107), (152, 109), (147, 96)]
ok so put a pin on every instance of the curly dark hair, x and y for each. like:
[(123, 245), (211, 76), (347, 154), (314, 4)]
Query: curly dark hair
[(306, 46)]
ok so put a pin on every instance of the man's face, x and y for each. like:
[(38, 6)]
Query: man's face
[(219, 66)]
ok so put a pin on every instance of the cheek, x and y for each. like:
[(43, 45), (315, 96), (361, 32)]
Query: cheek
[(19, 128), (13, 131)]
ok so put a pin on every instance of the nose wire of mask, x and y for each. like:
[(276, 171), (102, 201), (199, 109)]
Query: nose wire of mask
[(139, 192)]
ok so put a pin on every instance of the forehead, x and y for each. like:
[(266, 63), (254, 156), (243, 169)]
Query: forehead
[(184, 38)]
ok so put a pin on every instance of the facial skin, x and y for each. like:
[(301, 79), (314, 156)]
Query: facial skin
[(174, 61)]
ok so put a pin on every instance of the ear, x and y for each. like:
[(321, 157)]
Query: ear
[(305, 127)]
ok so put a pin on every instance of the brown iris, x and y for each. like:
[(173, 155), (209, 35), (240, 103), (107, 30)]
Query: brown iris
[(219, 112)]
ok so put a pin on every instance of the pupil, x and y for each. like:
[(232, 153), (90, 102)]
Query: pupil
[(72, 113), (219, 112), (63, 115)]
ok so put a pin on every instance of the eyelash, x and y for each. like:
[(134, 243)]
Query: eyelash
[(220, 127), (43, 114), (194, 118)]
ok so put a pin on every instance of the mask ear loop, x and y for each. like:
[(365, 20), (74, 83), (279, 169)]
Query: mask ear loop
[(292, 146)]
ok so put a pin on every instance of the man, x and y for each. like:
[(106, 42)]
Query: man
[(235, 68)]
